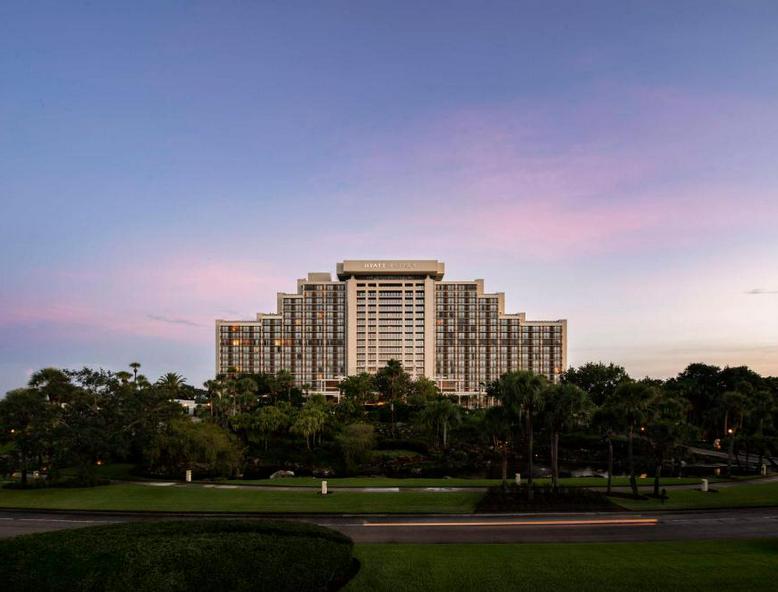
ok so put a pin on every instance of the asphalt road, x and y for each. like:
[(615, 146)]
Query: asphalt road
[(471, 528)]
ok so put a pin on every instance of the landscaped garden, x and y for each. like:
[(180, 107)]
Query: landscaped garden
[(68, 430)]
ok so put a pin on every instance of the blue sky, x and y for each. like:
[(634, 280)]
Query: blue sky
[(165, 164)]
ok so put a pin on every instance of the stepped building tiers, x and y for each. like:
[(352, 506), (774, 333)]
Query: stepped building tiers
[(449, 331)]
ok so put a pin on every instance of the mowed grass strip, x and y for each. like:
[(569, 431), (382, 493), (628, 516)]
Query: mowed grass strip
[(597, 567), (412, 482), (203, 499), (735, 496)]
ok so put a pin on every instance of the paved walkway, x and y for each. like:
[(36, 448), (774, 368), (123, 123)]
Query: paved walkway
[(620, 488)]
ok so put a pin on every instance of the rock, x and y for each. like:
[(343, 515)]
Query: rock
[(282, 474)]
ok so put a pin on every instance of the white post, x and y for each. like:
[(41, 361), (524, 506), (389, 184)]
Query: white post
[(704, 485), (188, 477), (324, 488), (518, 478), (763, 470)]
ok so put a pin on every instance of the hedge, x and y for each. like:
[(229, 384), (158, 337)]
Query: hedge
[(204, 555)]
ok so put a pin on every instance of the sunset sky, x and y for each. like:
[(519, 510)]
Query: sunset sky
[(612, 163)]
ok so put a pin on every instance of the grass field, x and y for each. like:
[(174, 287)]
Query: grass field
[(597, 567), (736, 496), (431, 482), (195, 498)]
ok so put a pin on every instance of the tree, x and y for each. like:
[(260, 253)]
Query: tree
[(597, 379), (269, 420), (665, 428), (566, 406), (356, 440), (203, 447), (171, 381), (358, 388), (702, 386), (499, 426), (310, 420), (422, 391), (439, 415), (26, 421), (282, 383), (522, 395), (53, 384), (135, 367), (606, 420), (629, 407), (394, 384), (733, 407)]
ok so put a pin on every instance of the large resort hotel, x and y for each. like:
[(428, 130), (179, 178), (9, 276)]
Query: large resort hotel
[(449, 331)]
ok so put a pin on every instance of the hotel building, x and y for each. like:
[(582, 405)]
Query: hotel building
[(449, 331)]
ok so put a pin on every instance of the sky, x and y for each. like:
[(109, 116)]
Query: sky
[(166, 164)]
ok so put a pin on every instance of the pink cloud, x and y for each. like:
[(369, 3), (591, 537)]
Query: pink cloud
[(668, 172), (175, 298)]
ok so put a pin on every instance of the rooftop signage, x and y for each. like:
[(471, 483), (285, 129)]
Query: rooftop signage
[(388, 267)]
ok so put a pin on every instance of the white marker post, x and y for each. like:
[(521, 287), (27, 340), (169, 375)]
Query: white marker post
[(324, 488), (704, 487), (518, 478), (188, 476), (763, 470)]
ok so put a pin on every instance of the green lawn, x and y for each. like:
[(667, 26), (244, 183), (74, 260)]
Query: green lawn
[(196, 498), (746, 566), (736, 496), (432, 482)]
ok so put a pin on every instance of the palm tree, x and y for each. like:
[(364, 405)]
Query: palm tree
[(499, 427), (567, 406), (629, 406), (665, 428), (171, 381), (522, 395), (439, 415), (394, 384), (135, 367), (123, 376)]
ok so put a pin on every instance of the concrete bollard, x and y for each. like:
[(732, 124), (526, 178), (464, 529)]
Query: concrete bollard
[(324, 488), (518, 478), (704, 485), (188, 476), (763, 470)]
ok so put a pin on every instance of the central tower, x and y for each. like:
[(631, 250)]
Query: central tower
[(390, 314)]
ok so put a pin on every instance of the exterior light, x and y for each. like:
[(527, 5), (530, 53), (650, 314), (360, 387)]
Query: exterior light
[(730, 431)]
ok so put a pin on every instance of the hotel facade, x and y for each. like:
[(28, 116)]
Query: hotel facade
[(452, 332)]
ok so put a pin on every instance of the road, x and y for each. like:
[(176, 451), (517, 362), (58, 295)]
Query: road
[(470, 528)]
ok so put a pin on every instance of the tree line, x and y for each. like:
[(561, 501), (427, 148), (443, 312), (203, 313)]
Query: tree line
[(71, 421)]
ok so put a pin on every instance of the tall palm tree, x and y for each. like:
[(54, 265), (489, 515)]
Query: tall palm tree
[(629, 405), (566, 406), (135, 367), (522, 395)]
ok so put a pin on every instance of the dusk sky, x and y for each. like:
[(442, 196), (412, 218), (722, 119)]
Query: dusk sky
[(166, 164)]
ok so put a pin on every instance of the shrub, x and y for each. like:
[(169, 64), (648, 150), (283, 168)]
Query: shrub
[(204, 447), (203, 555)]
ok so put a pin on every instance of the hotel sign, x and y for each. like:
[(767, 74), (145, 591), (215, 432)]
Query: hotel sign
[(377, 266), (390, 265)]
